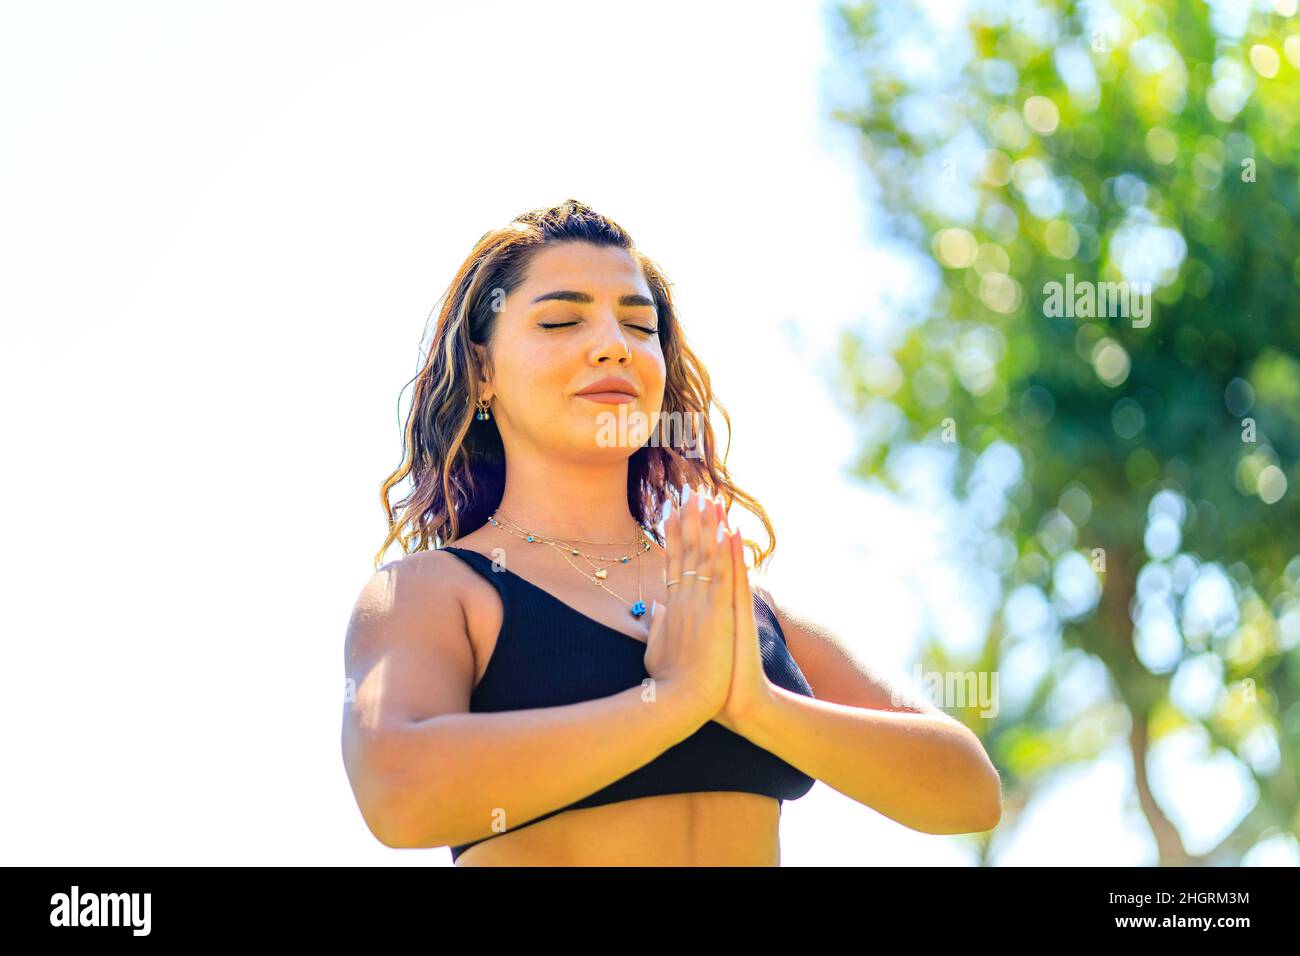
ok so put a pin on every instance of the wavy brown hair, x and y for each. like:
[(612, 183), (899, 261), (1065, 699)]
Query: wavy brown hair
[(457, 464)]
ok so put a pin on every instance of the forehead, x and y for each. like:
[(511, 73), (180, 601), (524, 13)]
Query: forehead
[(583, 267)]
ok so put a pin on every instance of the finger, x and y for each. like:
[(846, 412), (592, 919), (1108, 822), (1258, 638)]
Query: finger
[(744, 600), (658, 615), (724, 571), (690, 534), (708, 537), (722, 510), (673, 547), (722, 561)]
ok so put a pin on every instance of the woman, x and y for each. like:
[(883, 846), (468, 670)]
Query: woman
[(507, 708)]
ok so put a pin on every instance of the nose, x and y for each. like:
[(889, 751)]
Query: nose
[(611, 343)]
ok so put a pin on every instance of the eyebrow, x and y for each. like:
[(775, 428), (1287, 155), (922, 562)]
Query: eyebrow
[(583, 298)]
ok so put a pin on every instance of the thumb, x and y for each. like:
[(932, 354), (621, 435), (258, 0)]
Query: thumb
[(656, 616)]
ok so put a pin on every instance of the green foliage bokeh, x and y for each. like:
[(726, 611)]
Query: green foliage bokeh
[(1080, 144)]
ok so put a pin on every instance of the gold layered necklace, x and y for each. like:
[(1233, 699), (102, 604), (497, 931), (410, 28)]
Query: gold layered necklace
[(597, 576)]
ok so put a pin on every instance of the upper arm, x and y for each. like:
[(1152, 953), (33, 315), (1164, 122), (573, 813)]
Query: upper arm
[(407, 657), (834, 672)]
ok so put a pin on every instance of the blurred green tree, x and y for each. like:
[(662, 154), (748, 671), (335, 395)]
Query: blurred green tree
[(1052, 162)]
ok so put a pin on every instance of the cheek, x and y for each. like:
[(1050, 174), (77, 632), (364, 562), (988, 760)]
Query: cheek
[(654, 375), (537, 377)]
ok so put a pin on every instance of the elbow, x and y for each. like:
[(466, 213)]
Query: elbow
[(966, 816), (387, 833), (392, 826), (378, 801), (991, 812), (974, 805), (985, 789), (991, 818), (400, 822), (397, 812)]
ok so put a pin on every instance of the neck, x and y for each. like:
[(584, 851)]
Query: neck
[(569, 500)]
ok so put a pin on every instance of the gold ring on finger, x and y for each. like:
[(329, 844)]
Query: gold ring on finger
[(676, 581), (684, 573), (703, 577)]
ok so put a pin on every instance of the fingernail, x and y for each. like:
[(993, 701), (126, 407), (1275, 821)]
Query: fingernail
[(686, 494), (722, 529), (702, 496)]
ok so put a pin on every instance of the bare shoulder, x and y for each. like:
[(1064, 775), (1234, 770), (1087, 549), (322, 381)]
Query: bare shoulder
[(409, 590), (836, 671), (407, 654)]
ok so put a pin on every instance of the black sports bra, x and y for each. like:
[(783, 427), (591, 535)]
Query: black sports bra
[(549, 654)]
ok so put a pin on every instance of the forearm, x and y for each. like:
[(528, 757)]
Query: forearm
[(452, 776), (925, 771)]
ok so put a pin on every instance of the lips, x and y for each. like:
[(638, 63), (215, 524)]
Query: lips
[(609, 386), (608, 398)]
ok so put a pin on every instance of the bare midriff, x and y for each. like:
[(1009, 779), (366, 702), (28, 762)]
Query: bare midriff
[(716, 828)]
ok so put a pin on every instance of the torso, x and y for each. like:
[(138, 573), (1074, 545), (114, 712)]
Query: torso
[(718, 828)]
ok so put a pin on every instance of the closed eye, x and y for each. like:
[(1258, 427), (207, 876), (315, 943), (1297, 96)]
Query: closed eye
[(560, 325)]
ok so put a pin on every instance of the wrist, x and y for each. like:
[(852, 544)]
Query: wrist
[(754, 705), (689, 702)]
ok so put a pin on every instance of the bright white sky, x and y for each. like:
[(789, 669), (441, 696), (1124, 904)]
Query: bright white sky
[(223, 228)]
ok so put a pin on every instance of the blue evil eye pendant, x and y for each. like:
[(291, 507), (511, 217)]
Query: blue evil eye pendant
[(638, 608)]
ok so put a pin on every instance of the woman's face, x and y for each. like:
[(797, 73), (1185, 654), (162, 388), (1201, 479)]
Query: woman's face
[(604, 325)]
